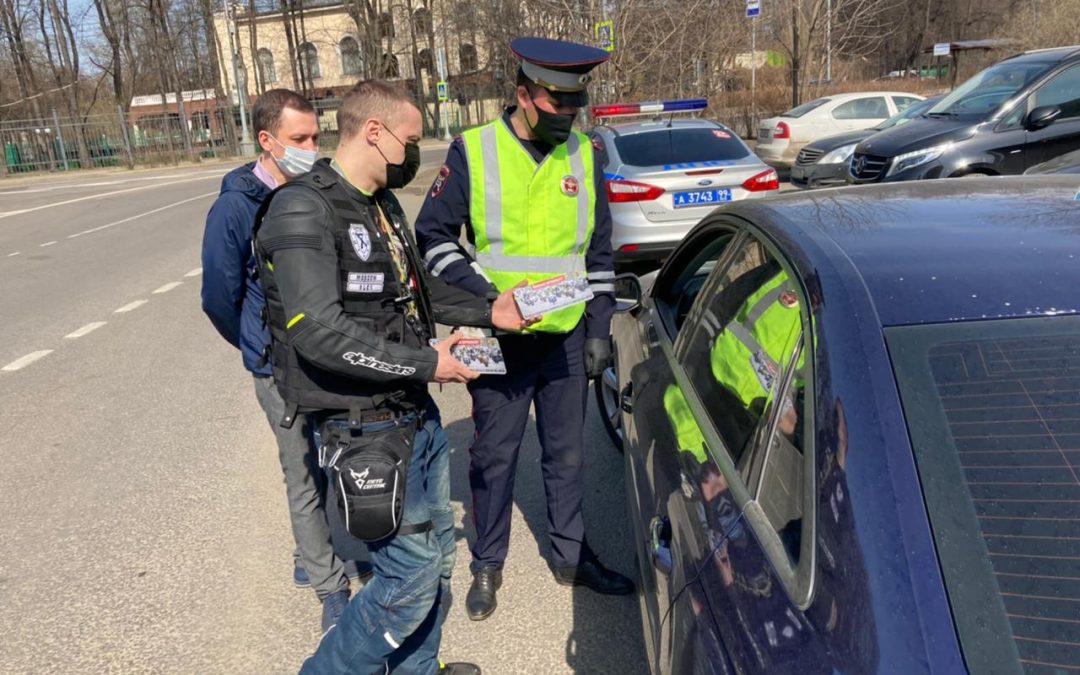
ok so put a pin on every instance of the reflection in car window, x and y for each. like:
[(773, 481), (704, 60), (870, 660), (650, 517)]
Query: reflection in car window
[(862, 109), (743, 335), (1062, 91), (777, 465), (904, 102)]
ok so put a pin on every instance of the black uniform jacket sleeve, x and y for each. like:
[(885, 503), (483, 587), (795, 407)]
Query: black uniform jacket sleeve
[(295, 239), (438, 226), (600, 264)]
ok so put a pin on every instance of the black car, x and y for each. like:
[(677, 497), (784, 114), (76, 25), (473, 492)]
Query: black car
[(1017, 113), (1067, 163), (850, 449), (824, 162)]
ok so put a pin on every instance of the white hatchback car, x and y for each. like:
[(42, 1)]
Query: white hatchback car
[(781, 138)]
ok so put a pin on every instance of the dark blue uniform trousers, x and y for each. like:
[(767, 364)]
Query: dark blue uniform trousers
[(548, 370)]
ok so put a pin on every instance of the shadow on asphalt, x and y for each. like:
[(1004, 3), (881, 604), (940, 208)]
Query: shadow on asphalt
[(606, 634)]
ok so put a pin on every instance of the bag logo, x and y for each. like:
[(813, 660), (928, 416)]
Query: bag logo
[(361, 242), (569, 186), (362, 483)]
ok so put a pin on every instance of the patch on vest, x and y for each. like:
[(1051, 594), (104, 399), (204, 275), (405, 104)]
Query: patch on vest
[(362, 359), (569, 186), (789, 299), (361, 242), (764, 369), (360, 282), (440, 181)]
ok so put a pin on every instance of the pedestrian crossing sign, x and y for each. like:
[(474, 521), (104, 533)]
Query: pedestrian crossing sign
[(440, 89)]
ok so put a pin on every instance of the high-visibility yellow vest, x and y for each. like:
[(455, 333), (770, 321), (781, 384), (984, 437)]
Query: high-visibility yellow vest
[(531, 221), (687, 432), (754, 347)]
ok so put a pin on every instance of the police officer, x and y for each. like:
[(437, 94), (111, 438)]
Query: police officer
[(351, 313), (531, 196)]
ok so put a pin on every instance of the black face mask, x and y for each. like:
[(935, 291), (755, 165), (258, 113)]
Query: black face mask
[(400, 175), (551, 128)]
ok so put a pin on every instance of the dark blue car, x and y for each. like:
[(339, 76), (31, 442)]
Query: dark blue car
[(851, 422)]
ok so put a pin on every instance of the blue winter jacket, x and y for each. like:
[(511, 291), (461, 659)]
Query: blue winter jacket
[(231, 296)]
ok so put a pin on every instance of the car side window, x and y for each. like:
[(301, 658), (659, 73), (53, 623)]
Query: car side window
[(685, 274), (904, 102), (739, 342), (1062, 91), (862, 109)]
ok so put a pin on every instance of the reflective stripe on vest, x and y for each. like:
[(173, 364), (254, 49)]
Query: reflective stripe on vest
[(748, 355), (530, 221)]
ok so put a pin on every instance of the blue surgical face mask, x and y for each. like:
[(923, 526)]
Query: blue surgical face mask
[(295, 161)]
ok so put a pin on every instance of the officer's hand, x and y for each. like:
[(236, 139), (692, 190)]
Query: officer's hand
[(597, 356), (449, 368), (506, 315)]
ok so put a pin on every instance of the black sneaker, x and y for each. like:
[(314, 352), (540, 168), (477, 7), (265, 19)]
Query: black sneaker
[(458, 668)]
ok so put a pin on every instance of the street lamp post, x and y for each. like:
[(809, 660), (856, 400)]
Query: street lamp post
[(247, 146)]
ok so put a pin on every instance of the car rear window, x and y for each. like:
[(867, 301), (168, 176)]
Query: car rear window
[(679, 146), (799, 111), (993, 412)]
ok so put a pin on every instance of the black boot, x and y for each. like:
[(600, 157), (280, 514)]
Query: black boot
[(480, 602)]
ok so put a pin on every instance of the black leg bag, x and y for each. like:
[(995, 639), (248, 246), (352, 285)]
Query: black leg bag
[(370, 471)]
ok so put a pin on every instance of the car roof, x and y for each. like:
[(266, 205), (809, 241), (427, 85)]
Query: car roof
[(942, 250), (861, 94), (1051, 55), (626, 128)]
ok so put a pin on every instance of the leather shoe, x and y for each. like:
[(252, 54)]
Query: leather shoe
[(458, 668), (596, 577), (480, 602)]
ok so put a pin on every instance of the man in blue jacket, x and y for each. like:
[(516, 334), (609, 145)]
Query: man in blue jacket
[(288, 133)]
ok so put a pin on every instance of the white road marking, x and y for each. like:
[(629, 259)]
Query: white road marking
[(194, 273), (12, 255), (26, 360), (48, 243), (168, 287), (141, 215), (130, 306), (88, 328), (105, 183), (99, 196)]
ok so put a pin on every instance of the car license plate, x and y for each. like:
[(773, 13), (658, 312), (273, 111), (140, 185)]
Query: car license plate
[(764, 134), (701, 197)]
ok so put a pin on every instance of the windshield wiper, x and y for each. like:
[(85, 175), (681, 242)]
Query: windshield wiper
[(939, 114)]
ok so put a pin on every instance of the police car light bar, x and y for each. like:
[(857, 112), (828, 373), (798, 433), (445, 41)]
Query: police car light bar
[(649, 108)]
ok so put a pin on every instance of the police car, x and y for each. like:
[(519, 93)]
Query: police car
[(665, 175)]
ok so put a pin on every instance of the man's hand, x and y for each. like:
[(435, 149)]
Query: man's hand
[(449, 368), (506, 315), (597, 355)]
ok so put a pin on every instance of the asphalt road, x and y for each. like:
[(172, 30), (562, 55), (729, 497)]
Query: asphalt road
[(144, 525)]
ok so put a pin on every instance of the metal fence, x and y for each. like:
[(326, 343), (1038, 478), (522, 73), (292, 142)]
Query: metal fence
[(133, 138)]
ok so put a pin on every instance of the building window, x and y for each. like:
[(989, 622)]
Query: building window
[(422, 21), (467, 58), (390, 66), (266, 66), (386, 25), (424, 61), (309, 61), (350, 56)]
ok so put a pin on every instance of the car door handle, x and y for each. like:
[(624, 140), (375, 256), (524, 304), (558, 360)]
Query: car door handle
[(660, 537), (626, 398)]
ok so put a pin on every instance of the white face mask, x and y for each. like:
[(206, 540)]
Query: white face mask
[(295, 161)]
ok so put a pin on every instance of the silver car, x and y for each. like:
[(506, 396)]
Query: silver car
[(663, 177)]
